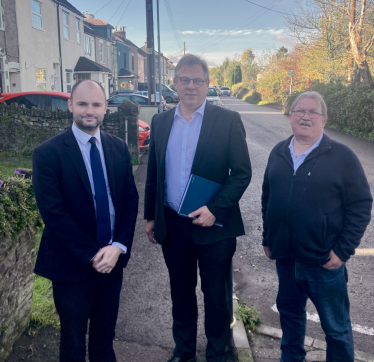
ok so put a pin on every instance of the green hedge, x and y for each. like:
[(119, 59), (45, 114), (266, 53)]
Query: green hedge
[(18, 209), (349, 108)]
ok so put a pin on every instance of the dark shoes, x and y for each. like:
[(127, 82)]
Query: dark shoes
[(179, 359)]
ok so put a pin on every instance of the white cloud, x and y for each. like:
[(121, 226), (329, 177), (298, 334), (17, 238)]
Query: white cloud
[(285, 40), (233, 32)]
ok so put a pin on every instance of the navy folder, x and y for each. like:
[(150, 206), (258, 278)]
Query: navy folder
[(199, 192)]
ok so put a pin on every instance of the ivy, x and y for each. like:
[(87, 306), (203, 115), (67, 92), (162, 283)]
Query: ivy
[(18, 209)]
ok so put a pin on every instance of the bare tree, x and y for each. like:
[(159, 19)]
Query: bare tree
[(332, 24)]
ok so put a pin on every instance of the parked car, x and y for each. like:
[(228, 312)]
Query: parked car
[(171, 86), (225, 91), (116, 100), (144, 134), (212, 96), (169, 95), (38, 99), (145, 94)]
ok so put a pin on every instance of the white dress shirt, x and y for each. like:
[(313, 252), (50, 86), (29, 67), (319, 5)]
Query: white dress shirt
[(85, 147)]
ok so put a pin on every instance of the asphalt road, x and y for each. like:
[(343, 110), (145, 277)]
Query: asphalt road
[(254, 275)]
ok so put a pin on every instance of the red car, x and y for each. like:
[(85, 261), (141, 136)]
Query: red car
[(43, 99), (144, 134)]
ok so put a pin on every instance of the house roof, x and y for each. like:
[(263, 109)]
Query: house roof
[(87, 65), (67, 5), (126, 73), (124, 40), (91, 31), (97, 22), (142, 52)]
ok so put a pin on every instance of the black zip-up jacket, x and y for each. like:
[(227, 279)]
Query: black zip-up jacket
[(326, 204)]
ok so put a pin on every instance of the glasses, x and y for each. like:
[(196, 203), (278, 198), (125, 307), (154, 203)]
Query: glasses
[(312, 114), (198, 82)]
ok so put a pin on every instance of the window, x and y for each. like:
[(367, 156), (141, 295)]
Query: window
[(68, 82), (109, 52), (77, 21), (36, 14), (65, 20), (41, 84), (82, 76), (125, 60), (59, 102), (132, 62), (87, 46), (101, 48)]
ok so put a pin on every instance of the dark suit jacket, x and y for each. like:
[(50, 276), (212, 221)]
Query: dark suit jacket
[(221, 156), (64, 197)]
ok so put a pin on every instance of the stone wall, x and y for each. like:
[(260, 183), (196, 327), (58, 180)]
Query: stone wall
[(22, 129), (17, 260)]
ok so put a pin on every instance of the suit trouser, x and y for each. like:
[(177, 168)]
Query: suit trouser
[(95, 299), (182, 256)]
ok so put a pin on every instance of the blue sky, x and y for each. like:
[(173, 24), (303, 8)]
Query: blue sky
[(211, 28)]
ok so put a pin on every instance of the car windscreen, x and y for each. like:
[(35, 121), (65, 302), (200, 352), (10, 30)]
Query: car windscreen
[(211, 92), (59, 102), (119, 99), (225, 88)]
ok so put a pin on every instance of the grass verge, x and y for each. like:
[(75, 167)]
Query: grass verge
[(43, 310), (9, 164)]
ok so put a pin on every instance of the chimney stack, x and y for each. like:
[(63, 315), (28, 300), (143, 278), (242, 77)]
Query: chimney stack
[(121, 32)]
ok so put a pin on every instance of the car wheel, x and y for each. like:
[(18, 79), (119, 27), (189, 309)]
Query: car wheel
[(168, 100)]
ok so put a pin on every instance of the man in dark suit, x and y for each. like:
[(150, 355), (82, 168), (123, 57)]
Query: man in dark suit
[(208, 141), (85, 191)]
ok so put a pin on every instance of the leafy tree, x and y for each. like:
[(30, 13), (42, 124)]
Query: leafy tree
[(281, 53), (249, 67)]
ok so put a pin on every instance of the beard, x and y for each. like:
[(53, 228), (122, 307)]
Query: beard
[(83, 125)]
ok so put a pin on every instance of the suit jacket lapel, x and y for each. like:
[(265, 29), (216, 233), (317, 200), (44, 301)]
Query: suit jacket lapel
[(76, 158), (206, 128), (165, 129), (109, 163)]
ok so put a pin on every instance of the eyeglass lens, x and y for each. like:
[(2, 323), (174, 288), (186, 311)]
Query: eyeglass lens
[(197, 81)]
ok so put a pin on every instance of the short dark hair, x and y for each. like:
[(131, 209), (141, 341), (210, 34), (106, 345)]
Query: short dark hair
[(75, 86), (190, 60)]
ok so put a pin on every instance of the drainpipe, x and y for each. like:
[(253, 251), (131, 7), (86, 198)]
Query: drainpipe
[(59, 45)]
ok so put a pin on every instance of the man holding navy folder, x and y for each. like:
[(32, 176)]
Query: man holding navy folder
[(197, 138)]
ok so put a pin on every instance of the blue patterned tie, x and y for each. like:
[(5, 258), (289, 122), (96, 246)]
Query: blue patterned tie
[(104, 233)]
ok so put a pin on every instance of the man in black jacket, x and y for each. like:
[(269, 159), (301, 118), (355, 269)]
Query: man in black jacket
[(316, 204), (208, 141), (86, 194)]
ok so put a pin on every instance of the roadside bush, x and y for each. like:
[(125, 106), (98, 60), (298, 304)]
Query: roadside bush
[(239, 90), (349, 108), (252, 97)]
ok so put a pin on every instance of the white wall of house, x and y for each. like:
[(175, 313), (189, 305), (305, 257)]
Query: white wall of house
[(72, 43), (38, 44)]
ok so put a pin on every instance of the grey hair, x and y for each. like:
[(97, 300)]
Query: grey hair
[(313, 95), (190, 60)]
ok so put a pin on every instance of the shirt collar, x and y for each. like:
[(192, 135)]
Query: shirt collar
[(306, 153), (200, 110), (83, 137)]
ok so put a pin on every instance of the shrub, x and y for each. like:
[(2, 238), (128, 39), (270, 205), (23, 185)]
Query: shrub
[(249, 315), (18, 209), (349, 108), (252, 97)]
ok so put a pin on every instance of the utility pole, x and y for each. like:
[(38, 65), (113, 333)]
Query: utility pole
[(150, 52), (184, 48), (351, 62), (159, 58)]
